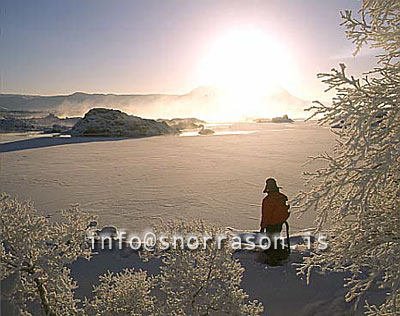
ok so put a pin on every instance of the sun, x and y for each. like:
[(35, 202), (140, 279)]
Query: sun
[(248, 64)]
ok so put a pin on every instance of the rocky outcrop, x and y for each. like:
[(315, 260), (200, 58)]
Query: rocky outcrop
[(183, 123), (282, 119), (11, 124), (279, 119), (50, 120), (57, 129), (114, 123), (47, 124)]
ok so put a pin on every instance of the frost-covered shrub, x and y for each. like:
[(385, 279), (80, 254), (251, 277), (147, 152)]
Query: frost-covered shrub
[(201, 281), (124, 293), (35, 252), (357, 194), (204, 280)]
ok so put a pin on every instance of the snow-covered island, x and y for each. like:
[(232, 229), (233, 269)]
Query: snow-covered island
[(12, 124), (115, 123), (183, 123), (24, 122), (104, 122), (279, 119)]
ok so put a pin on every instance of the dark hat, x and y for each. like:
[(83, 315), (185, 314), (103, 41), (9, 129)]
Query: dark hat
[(271, 186)]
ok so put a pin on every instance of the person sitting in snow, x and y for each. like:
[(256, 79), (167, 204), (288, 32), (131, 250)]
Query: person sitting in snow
[(274, 209)]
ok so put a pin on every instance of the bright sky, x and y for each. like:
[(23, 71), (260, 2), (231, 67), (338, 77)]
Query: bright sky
[(167, 46)]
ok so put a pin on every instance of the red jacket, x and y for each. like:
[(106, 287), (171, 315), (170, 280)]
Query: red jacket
[(274, 209)]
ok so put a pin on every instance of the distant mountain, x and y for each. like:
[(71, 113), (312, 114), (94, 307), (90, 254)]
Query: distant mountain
[(283, 103), (203, 102)]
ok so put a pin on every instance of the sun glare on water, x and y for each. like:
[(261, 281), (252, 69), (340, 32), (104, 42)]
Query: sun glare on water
[(247, 64)]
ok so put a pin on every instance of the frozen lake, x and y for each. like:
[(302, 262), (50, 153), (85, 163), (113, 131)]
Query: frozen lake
[(132, 182)]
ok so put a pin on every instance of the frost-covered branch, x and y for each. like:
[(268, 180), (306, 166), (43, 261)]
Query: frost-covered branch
[(35, 252), (357, 193)]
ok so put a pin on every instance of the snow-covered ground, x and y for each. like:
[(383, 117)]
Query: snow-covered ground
[(131, 182), (279, 288)]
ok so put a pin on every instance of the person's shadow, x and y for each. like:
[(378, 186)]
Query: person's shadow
[(274, 257)]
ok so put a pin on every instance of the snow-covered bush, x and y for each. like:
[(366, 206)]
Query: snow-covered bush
[(357, 193), (124, 293), (35, 252), (203, 279)]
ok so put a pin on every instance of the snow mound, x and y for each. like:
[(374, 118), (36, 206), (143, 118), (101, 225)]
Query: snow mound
[(114, 123)]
